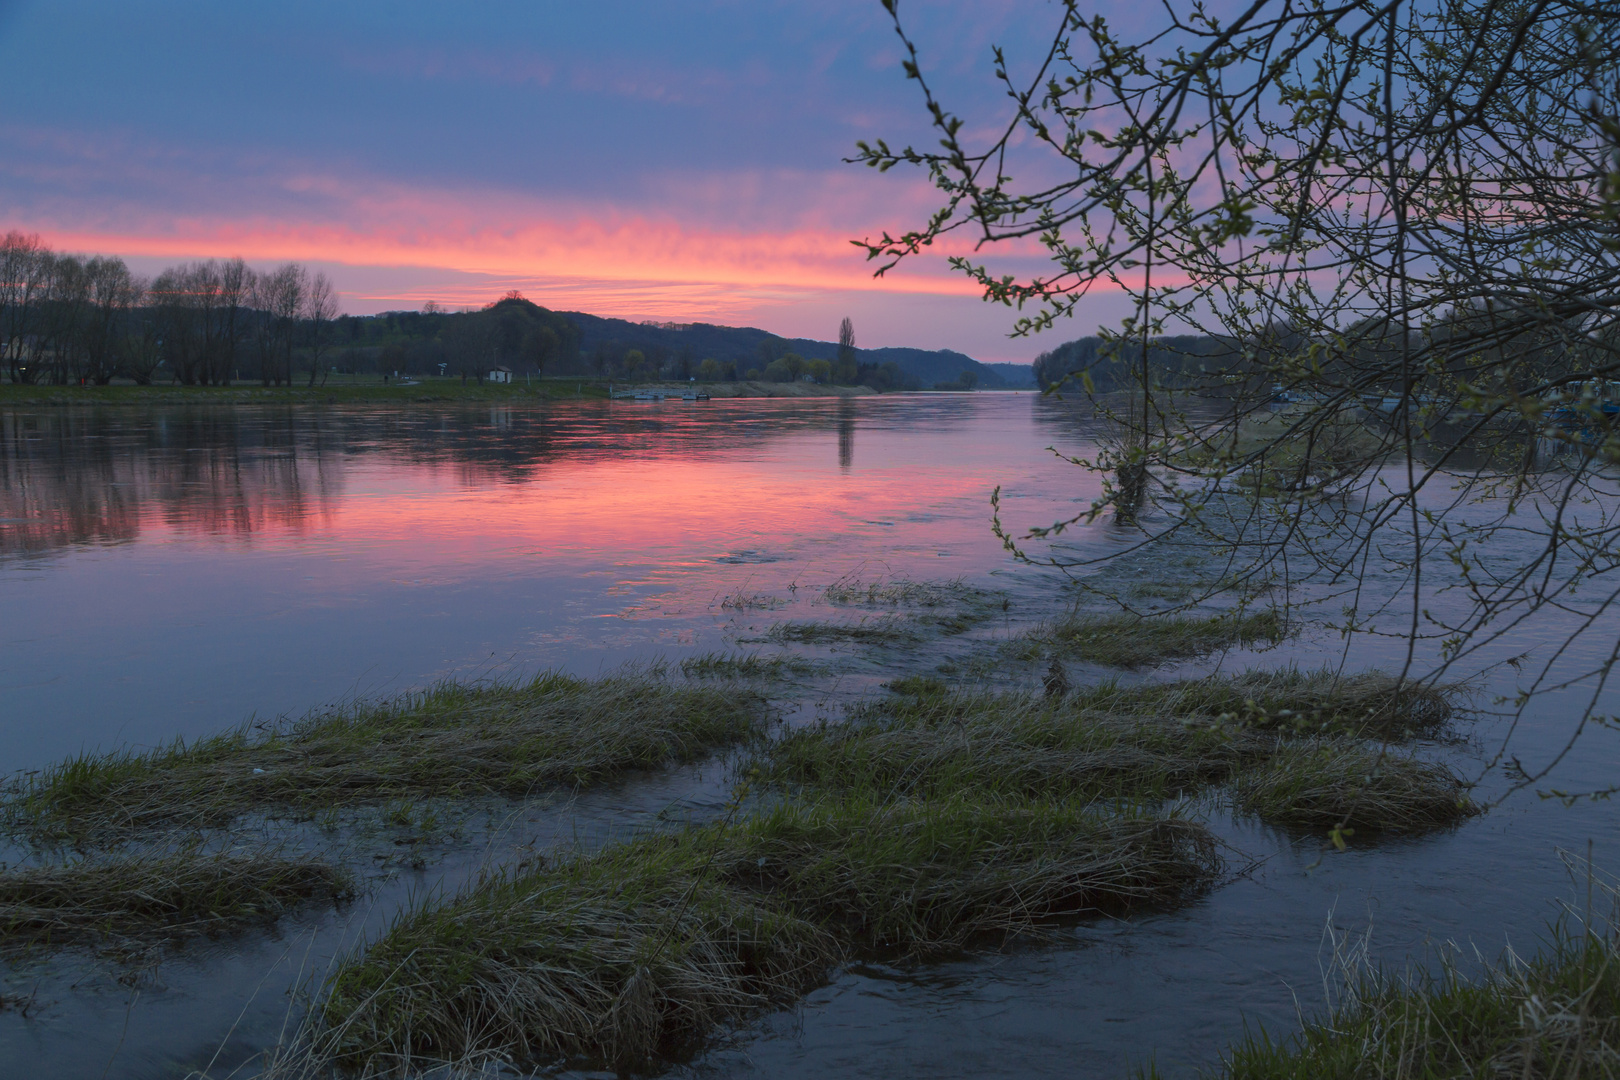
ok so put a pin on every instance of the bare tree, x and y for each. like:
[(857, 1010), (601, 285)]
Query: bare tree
[(279, 297), (112, 293), (320, 308), (140, 347), (235, 287), (24, 275)]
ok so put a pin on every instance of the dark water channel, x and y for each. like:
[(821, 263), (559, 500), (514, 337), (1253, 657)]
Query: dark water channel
[(175, 572)]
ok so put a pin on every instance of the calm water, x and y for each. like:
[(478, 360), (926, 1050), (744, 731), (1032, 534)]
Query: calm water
[(173, 573)]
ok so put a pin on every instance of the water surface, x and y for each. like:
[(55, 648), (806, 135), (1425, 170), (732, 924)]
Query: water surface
[(170, 573)]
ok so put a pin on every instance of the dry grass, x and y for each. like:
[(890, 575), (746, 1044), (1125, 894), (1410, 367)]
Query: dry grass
[(1126, 640), (633, 954), (454, 741), (1332, 782), (157, 897)]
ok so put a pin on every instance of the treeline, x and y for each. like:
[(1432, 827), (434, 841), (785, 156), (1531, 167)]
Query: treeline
[(1186, 360), (1364, 357), (68, 318)]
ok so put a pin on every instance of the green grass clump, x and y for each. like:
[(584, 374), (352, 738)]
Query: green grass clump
[(1151, 741), (454, 741), (934, 744), (1130, 641), (623, 955), (139, 899), (633, 954), (1329, 783), (1367, 704), (915, 877), (1553, 1017)]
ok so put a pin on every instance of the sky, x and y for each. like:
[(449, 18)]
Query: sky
[(641, 160)]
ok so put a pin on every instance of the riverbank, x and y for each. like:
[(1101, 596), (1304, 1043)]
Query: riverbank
[(343, 390)]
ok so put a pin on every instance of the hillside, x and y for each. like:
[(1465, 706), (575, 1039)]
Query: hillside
[(747, 346)]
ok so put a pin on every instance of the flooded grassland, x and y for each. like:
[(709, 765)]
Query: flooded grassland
[(710, 743)]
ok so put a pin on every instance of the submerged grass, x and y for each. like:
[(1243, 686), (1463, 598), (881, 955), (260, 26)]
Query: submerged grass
[(634, 953), (745, 666), (1553, 1017), (885, 631), (1127, 640), (455, 741), (898, 592), (157, 897), (741, 601)]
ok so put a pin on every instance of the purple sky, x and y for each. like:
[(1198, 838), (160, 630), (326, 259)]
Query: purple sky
[(644, 160)]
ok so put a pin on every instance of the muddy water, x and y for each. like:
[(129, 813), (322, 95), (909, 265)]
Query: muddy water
[(172, 573)]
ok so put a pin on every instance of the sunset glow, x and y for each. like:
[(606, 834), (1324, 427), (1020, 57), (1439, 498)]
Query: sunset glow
[(625, 162)]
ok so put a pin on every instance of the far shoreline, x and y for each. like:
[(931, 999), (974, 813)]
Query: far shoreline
[(427, 390)]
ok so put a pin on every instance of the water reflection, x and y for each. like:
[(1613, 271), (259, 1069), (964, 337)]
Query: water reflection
[(84, 477), (846, 433), (69, 477)]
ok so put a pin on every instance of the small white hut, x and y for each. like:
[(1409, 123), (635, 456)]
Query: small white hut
[(500, 374)]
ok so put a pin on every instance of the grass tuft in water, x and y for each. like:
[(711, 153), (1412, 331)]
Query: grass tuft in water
[(898, 592), (455, 741), (1144, 742), (885, 631), (1367, 704), (1553, 1017), (742, 601), (157, 897), (933, 743), (1126, 640), (745, 666), (635, 953), (1328, 783)]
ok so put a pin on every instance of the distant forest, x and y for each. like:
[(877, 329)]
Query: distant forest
[(69, 319), (1187, 360), (1359, 357)]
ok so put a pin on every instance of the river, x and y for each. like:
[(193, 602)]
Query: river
[(172, 572)]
